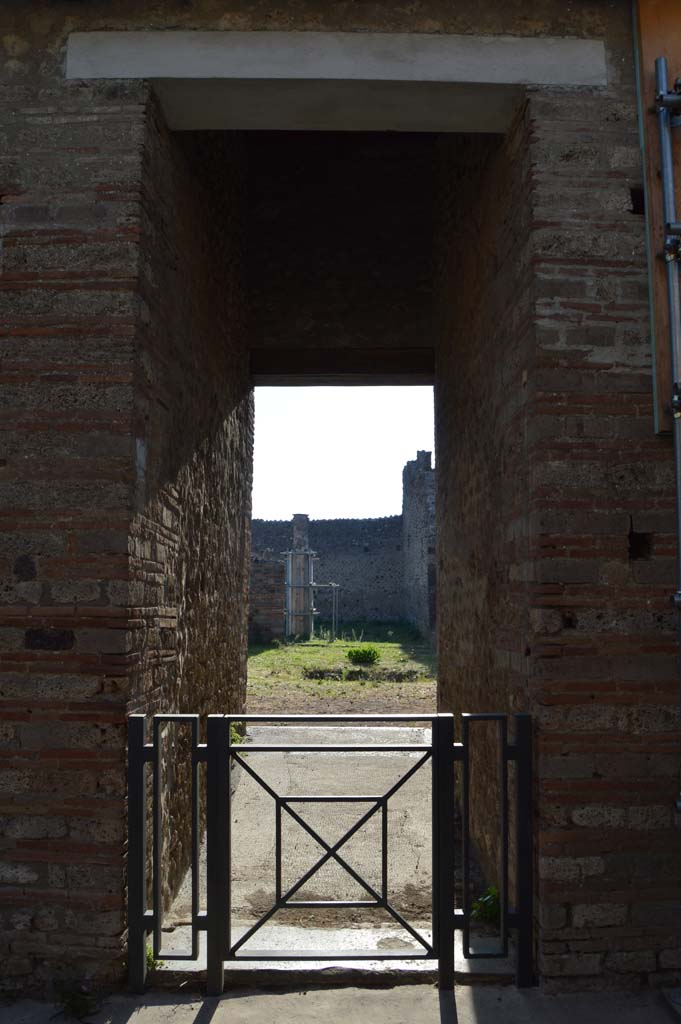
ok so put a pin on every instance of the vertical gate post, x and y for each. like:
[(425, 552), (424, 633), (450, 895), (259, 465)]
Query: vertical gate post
[(217, 851), (443, 847), (137, 853), (524, 851)]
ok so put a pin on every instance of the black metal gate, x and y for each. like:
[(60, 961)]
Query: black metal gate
[(219, 754)]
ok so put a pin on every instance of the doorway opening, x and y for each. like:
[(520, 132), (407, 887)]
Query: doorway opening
[(342, 602), (336, 259), (339, 258)]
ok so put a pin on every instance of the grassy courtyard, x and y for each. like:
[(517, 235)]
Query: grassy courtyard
[(317, 675)]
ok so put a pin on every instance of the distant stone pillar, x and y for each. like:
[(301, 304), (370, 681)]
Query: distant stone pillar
[(419, 543), (301, 532)]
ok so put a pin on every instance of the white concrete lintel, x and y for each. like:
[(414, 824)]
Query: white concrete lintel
[(346, 56), (336, 81)]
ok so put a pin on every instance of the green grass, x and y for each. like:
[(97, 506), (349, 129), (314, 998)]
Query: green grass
[(401, 649)]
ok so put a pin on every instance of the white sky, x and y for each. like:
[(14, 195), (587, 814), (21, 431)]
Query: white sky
[(337, 453)]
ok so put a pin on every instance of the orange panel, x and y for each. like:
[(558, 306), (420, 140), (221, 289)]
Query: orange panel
[(659, 35)]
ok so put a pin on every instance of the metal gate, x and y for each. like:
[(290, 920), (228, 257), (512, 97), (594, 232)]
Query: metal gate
[(442, 756)]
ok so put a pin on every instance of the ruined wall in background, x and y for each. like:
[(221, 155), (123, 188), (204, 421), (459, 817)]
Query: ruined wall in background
[(363, 555), (419, 536)]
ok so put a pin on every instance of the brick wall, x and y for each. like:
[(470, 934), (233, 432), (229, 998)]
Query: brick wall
[(123, 576), (556, 541), (556, 499), (71, 223), (482, 408), (266, 601), (604, 670)]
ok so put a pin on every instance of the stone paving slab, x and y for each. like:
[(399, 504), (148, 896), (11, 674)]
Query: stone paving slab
[(335, 971)]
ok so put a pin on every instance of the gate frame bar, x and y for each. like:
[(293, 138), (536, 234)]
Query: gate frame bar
[(217, 755)]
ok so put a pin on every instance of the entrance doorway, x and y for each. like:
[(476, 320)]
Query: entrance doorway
[(328, 266), (348, 839)]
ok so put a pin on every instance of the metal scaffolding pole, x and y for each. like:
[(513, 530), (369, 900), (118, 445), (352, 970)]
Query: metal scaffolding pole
[(669, 117)]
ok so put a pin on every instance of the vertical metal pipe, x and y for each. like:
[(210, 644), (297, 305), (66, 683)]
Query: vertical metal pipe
[(674, 305), (218, 867), (524, 851), (673, 291), (137, 853), (277, 850), (503, 806), (195, 835), (287, 596), (384, 851), (157, 851), (465, 832), (310, 595), (443, 847)]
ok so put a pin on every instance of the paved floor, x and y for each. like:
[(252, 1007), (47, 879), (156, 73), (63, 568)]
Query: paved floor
[(418, 1004)]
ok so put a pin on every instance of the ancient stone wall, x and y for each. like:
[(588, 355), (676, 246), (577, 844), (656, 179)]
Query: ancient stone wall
[(70, 309), (419, 543), (124, 562), (556, 536), (364, 556), (604, 675), (556, 498)]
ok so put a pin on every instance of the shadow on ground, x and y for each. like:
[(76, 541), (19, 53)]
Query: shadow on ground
[(486, 1004)]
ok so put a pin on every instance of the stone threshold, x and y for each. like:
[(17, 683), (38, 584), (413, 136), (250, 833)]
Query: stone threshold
[(270, 973)]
